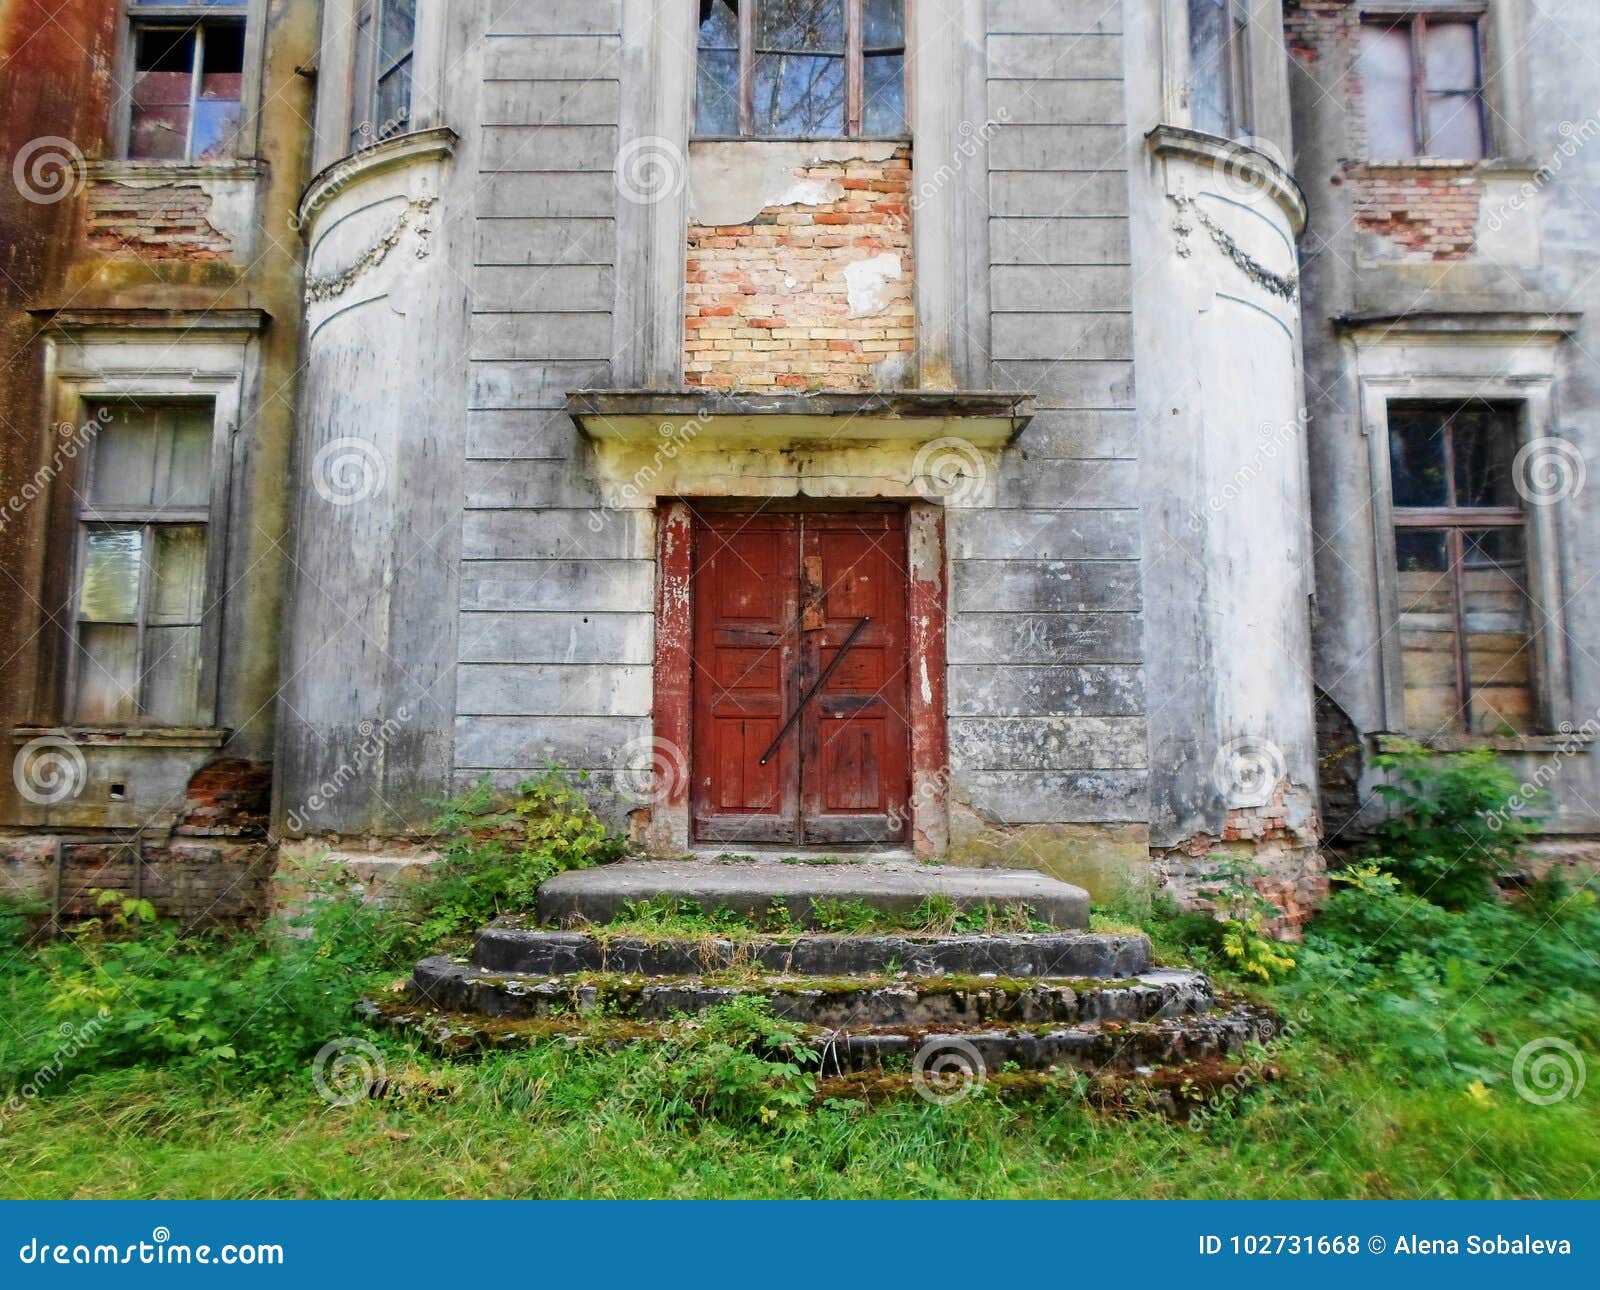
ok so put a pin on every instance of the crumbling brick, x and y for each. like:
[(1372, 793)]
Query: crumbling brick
[(170, 221), (767, 302)]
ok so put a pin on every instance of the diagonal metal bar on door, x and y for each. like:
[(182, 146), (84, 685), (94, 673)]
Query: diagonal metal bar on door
[(815, 686)]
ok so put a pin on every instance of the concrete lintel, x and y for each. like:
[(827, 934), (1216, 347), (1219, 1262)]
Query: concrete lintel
[(981, 417), (1241, 160), (209, 321), (1528, 324)]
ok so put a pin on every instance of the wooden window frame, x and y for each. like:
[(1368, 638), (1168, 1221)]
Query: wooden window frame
[(1416, 21), (212, 516), (364, 90), (1456, 521), (137, 17), (1238, 83), (854, 74)]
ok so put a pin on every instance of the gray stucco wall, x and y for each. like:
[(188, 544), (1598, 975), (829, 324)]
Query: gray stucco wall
[(1535, 255)]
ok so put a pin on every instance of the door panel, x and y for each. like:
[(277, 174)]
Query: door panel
[(775, 599), (855, 737), (746, 602)]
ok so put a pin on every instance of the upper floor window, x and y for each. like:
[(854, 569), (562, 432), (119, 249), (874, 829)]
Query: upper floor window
[(1422, 87), (188, 76), (380, 102), (1461, 547), (144, 529), (1219, 67), (801, 69)]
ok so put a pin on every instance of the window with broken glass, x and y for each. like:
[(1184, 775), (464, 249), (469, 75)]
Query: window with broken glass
[(1461, 549), (144, 529), (380, 104), (185, 100), (1422, 86), (801, 69)]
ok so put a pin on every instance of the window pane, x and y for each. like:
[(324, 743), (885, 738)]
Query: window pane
[(112, 566), (124, 470), (393, 107), (399, 24), (107, 683), (162, 84), (1416, 456), (172, 675), (1208, 68), (716, 93), (812, 26), (178, 578), (1427, 631), (150, 458), (1450, 55), (719, 24), (884, 25), (884, 111), (1455, 127), (1485, 446), (1495, 613), (799, 96), (216, 115), (1385, 66)]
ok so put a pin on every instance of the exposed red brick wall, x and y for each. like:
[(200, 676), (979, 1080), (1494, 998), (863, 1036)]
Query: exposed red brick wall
[(229, 796), (766, 302), (1428, 213), (168, 222), (1425, 212)]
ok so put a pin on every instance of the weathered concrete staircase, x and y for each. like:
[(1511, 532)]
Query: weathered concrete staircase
[(1066, 997)]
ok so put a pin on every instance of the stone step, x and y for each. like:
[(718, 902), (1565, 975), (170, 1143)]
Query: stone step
[(1097, 1047), (847, 1002), (505, 947), (753, 887)]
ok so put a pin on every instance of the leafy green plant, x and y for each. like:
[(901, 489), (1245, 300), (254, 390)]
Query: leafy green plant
[(499, 850), (257, 1004), (737, 1063), (1452, 832), (1244, 912)]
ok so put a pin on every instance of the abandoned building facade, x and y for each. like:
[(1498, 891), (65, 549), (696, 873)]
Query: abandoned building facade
[(1069, 433)]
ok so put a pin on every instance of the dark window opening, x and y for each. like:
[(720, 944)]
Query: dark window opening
[(1461, 556), (1422, 87), (188, 89), (801, 69)]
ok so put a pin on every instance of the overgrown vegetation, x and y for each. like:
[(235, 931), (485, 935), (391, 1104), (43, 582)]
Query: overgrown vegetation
[(138, 1061)]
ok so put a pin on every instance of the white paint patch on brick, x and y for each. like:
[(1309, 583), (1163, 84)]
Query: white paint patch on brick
[(867, 283)]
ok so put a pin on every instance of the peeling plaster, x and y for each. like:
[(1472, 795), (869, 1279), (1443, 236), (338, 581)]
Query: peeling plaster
[(731, 183), (866, 283)]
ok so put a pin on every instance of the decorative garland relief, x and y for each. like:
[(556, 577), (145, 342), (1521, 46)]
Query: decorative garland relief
[(320, 287), (1285, 286)]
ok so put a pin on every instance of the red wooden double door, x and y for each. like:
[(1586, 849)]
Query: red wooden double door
[(793, 743)]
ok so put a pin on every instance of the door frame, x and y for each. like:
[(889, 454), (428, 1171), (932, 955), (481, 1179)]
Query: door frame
[(673, 705)]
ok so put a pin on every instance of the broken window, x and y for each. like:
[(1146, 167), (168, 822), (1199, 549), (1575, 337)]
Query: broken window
[(380, 102), (139, 608), (1422, 87), (1219, 67), (1461, 551), (801, 69), (187, 92)]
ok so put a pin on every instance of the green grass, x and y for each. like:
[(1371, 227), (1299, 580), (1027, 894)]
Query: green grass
[(667, 918), (136, 1062), (1395, 1083)]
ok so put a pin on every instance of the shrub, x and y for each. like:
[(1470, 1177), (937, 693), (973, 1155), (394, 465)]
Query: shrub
[(497, 852), (1452, 832)]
